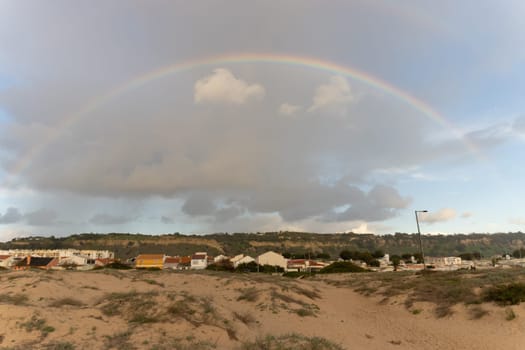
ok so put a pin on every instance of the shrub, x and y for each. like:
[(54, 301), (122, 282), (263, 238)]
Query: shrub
[(294, 274), (341, 267), (374, 263), (290, 341), (509, 314), (66, 302), (510, 294), (118, 265), (246, 318), (59, 346), (15, 299), (249, 294), (223, 265), (477, 312)]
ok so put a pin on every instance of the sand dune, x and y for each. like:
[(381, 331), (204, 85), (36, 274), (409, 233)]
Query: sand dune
[(168, 310)]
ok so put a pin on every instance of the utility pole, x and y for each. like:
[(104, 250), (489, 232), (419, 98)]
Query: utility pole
[(419, 236)]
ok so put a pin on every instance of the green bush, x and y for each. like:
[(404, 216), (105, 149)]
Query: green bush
[(341, 267), (118, 265), (509, 294)]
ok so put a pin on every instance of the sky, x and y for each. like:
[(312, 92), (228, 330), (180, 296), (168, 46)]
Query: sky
[(233, 116)]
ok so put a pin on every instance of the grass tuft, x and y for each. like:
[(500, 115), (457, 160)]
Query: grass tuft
[(249, 294), (15, 299), (66, 302), (290, 341)]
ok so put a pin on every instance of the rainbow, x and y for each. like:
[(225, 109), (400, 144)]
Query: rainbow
[(300, 61)]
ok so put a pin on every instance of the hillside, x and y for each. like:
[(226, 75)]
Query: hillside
[(127, 245)]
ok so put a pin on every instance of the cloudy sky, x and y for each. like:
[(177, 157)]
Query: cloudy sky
[(229, 116)]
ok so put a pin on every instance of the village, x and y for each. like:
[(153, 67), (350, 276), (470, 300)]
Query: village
[(61, 259)]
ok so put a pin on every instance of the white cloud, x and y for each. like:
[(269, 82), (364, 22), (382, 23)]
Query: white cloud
[(223, 87), (361, 228), (517, 221), (289, 109), (466, 215), (334, 96), (444, 214)]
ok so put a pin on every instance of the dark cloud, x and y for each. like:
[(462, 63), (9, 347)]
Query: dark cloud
[(11, 216), (107, 219), (166, 220), (380, 203), (42, 217)]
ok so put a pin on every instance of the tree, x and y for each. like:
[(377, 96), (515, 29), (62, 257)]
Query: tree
[(418, 257), (396, 260), (346, 255), (374, 263), (519, 253), (378, 254), (325, 256)]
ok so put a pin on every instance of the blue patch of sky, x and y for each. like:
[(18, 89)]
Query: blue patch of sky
[(4, 116), (6, 81)]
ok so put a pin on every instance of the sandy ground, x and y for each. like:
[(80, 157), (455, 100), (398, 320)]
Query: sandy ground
[(168, 310)]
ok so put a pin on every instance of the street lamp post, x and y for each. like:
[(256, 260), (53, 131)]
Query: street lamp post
[(419, 236)]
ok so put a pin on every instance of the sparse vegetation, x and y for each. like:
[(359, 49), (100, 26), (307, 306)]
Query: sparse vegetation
[(291, 341), (66, 302), (59, 346), (245, 317), (38, 324), (477, 312), (444, 289), (15, 299), (154, 282), (507, 294), (509, 314), (249, 294), (119, 341), (133, 306)]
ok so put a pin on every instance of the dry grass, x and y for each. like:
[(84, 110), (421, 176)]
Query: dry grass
[(290, 341), (245, 317), (36, 323), (477, 312), (249, 294), (15, 299), (444, 289), (119, 341), (67, 302)]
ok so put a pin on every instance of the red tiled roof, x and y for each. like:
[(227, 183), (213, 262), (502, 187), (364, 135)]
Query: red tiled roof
[(3, 257), (198, 256), (150, 256), (185, 259), (172, 260), (105, 261)]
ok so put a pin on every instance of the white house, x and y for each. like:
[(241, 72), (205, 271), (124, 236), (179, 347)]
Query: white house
[(272, 259), (199, 261), (6, 260), (76, 260), (244, 260), (219, 258), (235, 259)]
